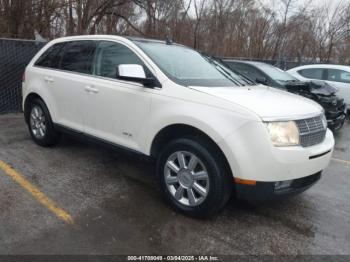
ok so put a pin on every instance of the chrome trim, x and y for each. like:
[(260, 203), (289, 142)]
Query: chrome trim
[(312, 131), (290, 118)]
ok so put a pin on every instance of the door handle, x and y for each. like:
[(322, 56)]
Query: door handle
[(94, 90), (48, 79), (91, 89)]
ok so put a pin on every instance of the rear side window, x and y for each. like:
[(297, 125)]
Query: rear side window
[(312, 73), (51, 57), (109, 55), (78, 56), (338, 76)]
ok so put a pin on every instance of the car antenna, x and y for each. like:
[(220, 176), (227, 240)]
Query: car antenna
[(168, 39)]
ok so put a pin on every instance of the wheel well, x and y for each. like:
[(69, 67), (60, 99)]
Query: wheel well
[(173, 132), (27, 103)]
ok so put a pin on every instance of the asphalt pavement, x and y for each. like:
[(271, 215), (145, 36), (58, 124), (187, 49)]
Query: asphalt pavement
[(78, 198)]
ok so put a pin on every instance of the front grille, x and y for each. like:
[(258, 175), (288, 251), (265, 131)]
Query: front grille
[(312, 131)]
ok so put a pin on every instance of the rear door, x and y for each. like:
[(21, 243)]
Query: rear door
[(340, 79), (68, 82)]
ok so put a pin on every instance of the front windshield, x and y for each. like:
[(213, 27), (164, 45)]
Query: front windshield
[(188, 67), (276, 73)]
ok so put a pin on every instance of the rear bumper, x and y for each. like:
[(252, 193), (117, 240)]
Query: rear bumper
[(264, 192)]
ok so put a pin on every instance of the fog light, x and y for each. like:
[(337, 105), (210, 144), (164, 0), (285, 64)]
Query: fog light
[(283, 185)]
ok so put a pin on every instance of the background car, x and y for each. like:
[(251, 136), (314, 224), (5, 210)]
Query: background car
[(337, 75), (319, 91)]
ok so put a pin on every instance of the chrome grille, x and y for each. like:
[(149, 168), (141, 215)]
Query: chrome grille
[(312, 131)]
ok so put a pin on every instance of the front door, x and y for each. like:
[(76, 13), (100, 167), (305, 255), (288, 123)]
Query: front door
[(114, 110)]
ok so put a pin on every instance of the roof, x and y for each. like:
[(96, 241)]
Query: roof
[(111, 37), (255, 63), (122, 39), (329, 66), (141, 39)]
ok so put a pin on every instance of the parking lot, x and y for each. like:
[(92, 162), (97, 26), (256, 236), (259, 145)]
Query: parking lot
[(82, 199)]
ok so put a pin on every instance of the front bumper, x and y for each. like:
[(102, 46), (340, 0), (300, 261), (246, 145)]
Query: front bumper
[(335, 114), (252, 156), (337, 122), (264, 192)]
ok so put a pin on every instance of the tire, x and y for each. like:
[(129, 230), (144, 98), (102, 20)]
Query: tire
[(181, 189), (40, 124)]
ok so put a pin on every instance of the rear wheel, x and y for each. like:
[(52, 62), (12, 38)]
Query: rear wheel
[(40, 124), (193, 177)]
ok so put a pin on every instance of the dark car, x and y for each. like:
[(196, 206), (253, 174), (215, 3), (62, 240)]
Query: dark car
[(319, 91)]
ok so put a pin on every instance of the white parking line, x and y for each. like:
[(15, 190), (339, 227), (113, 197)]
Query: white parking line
[(341, 161)]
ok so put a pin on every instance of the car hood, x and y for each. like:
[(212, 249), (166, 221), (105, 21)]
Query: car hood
[(266, 102), (322, 88), (314, 87)]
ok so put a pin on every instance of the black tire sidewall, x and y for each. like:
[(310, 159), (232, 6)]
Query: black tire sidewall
[(218, 178)]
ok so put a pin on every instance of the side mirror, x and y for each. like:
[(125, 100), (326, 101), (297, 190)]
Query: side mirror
[(136, 73), (261, 80)]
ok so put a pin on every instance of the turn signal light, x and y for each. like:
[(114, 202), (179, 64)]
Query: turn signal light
[(245, 182)]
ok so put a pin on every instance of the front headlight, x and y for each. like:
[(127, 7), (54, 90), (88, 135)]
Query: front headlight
[(283, 133)]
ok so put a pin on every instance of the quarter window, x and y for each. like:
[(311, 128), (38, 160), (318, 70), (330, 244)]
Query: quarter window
[(78, 56), (312, 73), (109, 55), (338, 76)]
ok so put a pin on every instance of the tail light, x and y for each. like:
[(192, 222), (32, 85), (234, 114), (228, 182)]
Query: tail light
[(24, 77)]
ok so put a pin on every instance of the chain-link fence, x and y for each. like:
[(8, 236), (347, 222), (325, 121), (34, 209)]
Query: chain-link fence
[(14, 57)]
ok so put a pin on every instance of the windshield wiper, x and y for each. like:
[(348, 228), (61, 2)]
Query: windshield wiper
[(246, 79), (242, 77), (222, 69)]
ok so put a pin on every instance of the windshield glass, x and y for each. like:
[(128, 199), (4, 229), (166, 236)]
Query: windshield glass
[(188, 67), (276, 73)]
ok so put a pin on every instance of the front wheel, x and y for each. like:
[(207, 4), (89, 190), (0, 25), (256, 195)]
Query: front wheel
[(193, 177)]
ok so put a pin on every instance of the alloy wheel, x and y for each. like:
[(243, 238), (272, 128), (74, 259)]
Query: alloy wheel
[(38, 122), (186, 178)]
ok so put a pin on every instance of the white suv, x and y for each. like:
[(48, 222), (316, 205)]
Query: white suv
[(211, 131)]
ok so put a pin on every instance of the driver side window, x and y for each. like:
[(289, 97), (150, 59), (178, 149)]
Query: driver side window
[(109, 55), (247, 71)]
